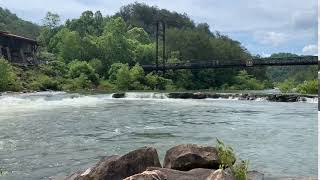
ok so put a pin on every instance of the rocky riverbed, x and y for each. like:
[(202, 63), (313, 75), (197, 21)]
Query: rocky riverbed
[(182, 162), (239, 96)]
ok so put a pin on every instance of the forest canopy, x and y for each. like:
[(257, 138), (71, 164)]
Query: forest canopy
[(105, 52)]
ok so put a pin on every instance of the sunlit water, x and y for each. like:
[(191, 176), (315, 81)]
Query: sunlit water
[(53, 134)]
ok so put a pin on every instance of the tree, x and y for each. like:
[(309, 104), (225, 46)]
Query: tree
[(113, 43), (244, 81), (67, 44), (123, 78), (82, 69), (51, 20), (13, 24), (139, 35)]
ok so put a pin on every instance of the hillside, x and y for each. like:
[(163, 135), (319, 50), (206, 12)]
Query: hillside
[(12, 23)]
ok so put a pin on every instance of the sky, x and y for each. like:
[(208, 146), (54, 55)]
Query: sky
[(262, 26)]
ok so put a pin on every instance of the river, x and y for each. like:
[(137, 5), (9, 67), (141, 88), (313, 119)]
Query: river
[(53, 134)]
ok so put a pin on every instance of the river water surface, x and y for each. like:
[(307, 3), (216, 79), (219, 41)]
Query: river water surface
[(53, 134)]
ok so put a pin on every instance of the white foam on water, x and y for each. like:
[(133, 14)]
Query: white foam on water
[(40, 101), (309, 100), (145, 95), (261, 99)]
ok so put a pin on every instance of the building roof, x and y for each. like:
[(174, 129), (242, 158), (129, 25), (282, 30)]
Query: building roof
[(7, 34)]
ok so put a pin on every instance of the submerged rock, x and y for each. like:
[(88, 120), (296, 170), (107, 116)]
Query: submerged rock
[(187, 95), (190, 156), (118, 95), (283, 97), (120, 167)]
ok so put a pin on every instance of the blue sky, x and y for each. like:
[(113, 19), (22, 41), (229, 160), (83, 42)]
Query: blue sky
[(262, 26)]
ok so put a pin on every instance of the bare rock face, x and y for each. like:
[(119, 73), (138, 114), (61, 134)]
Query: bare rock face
[(190, 156), (171, 174), (221, 174), (120, 167)]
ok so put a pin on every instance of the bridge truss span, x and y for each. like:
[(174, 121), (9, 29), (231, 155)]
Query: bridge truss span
[(288, 61)]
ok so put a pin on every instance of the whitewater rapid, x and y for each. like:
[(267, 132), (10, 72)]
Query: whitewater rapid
[(50, 100)]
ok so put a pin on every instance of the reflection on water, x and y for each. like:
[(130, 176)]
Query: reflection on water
[(43, 135)]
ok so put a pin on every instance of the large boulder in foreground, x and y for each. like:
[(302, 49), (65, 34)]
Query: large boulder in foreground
[(120, 167), (185, 157)]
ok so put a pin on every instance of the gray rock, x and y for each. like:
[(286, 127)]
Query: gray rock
[(118, 95), (190, 156), (120, 167), (171, 174)]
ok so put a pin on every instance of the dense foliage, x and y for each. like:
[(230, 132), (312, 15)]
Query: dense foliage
[(94, 51), (11, 23)]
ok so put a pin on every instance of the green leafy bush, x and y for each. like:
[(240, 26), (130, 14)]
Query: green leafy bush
[(82, 69), (287, 86), (226, 155), (240, 170), (8, 78), (106, 85), (308, 87), (123, 77), (244, 81), (227, 160)]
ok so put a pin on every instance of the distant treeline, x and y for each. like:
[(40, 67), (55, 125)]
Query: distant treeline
[(96, 51)]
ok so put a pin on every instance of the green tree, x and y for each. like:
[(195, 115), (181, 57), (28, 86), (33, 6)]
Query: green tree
[(51, 20), (82, 69), (113, 43), (67, 44), (124, 79), (308, 87), (139, 35), (244, 81)]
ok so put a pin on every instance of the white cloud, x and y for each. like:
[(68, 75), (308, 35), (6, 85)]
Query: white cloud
[(311, 49), (265, 55), (271, 38)]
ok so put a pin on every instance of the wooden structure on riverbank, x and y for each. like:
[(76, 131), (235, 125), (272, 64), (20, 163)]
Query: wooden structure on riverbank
[(18, 49)]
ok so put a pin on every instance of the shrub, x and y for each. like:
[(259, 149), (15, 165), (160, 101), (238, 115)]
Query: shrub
[(287, 86), (240, 170), (106, 85), (54, 69), (227, 160), (308, 87), (8, 78), (82, 68), (244, 81), (226, 155), (123, 77), (79, 83), (97, 65)]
